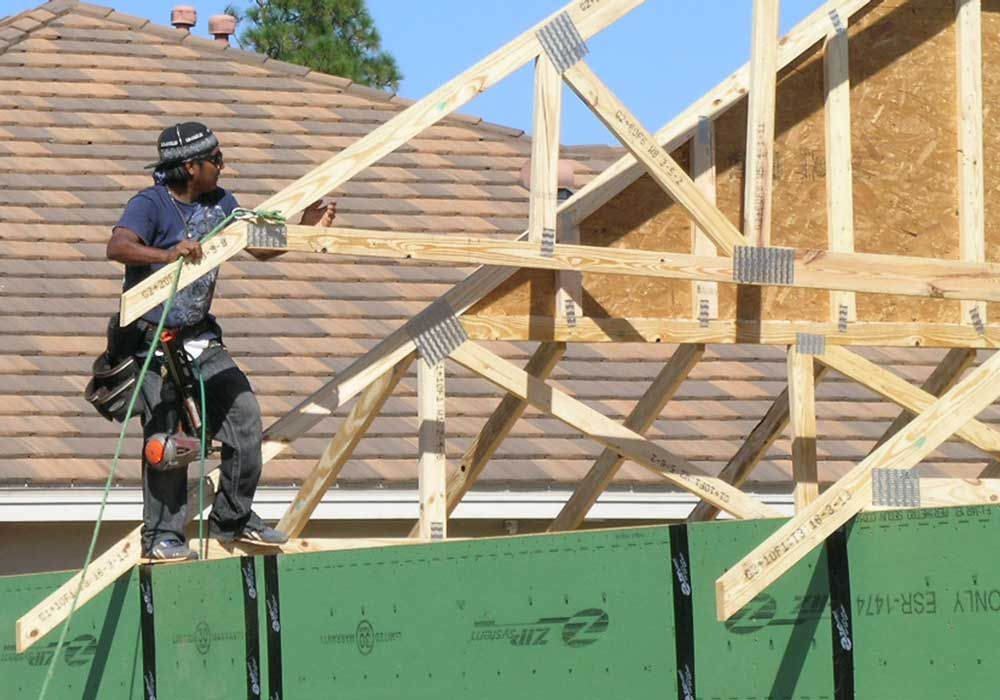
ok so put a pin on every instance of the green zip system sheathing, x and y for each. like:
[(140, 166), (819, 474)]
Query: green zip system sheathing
[(606, 614)]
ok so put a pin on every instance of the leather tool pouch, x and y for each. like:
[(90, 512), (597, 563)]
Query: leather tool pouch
[(115, 371)]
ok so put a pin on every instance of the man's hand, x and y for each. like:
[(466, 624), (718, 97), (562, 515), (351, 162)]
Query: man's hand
[(316, 214), (190, 250), (319, 214)]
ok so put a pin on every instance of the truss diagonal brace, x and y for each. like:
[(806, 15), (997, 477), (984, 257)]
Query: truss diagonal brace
[(808, 529), (578, 415), (658, 163)]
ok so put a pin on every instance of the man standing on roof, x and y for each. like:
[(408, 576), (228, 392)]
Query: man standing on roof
[(160, 225)]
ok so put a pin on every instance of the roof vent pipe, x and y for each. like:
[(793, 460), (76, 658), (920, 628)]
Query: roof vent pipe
[(184, 17), (567, 177), (222, 27)]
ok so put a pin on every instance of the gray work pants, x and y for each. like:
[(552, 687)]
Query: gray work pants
[(234, 420)]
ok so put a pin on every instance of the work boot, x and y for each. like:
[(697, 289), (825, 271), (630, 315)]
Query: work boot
[(261, 535), (171, 549)]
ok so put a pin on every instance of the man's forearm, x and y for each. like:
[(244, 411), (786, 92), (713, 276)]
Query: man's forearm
[(125, 247)]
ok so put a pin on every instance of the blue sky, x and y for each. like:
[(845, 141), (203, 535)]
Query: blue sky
[(657, 59)]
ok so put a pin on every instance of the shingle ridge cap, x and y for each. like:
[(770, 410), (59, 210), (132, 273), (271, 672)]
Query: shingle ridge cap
[(57, 8)]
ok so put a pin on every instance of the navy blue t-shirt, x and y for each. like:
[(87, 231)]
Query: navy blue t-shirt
[(162, 221)]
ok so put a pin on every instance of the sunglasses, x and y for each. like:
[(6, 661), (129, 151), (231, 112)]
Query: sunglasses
[(218, 160)]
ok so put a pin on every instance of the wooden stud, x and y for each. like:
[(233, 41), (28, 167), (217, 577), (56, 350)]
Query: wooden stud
[(102, 572), (971, 216), (432, 468), (607, 432), (661, 167), (944, 376), (589, 18), (496, 429), (340, 449), (839, 170), (545, 150), (705, 299), (753, 449), (626, 170), (812, 269), (666, 330), (802, 412), (841, 501), (643, 415), (900, 391), (759, 166), (569, 283)]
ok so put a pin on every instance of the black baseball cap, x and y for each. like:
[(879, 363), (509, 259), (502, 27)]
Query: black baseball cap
[(183, 142)]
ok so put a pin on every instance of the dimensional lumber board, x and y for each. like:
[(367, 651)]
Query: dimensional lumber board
[(991, 136), (904, 176), (566, 615)]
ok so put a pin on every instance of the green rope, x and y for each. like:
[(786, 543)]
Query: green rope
[(238, 213)]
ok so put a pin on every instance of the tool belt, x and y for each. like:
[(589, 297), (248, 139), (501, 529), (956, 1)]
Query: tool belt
[(116, 370)]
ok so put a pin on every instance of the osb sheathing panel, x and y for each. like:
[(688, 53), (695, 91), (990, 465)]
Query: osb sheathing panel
[(991, 135), (903, 106)]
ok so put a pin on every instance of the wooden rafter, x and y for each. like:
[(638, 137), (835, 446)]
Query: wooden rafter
[(609, 433), (642, 416), (809, 528), (340, 448)]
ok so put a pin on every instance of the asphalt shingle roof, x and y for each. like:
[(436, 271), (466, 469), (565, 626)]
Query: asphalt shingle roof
[(84, 90)]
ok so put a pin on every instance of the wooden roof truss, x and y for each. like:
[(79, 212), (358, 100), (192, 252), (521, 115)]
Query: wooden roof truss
[(947, 404)]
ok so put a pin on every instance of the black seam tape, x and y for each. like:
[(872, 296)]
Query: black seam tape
[(147, 630), (273, 600), (248, 572), (680, 565), (841, 622)]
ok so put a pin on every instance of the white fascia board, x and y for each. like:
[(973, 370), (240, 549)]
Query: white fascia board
[(64, 504)]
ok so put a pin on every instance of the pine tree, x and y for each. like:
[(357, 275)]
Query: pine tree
[(337, 37)]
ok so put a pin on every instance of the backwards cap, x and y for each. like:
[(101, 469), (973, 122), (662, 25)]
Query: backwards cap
[(183, 142)]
